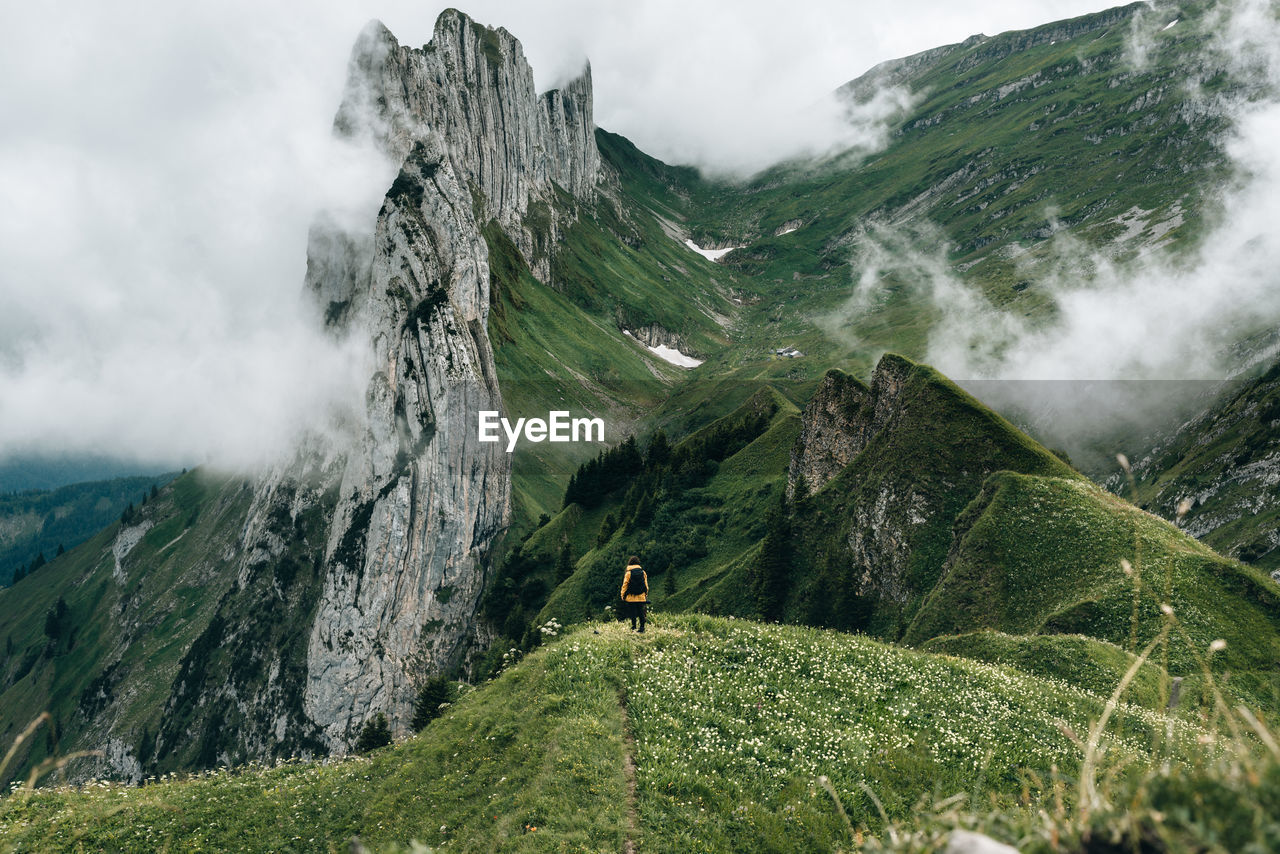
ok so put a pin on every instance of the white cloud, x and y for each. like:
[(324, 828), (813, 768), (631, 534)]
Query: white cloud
[(1129, 345), (1163, 317), (162, 162)]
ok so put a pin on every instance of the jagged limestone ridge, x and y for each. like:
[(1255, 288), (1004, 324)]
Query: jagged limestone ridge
[(473, 86), (415, 501)]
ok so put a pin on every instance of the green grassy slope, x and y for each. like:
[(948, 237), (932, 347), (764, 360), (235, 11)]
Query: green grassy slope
[(1006, 141), (1078, 660), (1036, 554), (1225, 463), (39, 522), (125, 630), (1003, 132), (561, 345), (899, 497), (729, 723)]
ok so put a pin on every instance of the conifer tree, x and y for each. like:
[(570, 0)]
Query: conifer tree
[(376, 733), (659, 450), (607, 527), (773, 565), (564, 563), (436, 691), (55, 619)]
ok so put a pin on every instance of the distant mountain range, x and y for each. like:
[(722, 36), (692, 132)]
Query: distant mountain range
[(809, 469)]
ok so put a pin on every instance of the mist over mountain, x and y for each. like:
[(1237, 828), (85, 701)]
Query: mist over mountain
[(159, 313), (866, 377)]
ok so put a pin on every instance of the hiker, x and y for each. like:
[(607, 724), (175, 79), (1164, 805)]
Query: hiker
[(635, 592)]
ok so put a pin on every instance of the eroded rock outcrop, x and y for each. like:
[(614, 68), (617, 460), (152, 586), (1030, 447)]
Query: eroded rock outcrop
[(890, 466), (839, 420), (473, 87), (363, 560)]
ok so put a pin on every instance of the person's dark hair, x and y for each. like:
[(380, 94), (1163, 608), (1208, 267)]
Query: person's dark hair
[(633, 560)]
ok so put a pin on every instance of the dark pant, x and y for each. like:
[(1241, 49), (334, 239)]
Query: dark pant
[(635, 611)]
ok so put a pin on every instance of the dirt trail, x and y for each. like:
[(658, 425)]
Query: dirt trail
[(629, 772)]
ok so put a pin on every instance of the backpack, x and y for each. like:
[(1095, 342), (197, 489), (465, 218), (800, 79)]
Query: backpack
[(637, 582)]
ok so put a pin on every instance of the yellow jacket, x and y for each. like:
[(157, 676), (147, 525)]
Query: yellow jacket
[(626, 579)]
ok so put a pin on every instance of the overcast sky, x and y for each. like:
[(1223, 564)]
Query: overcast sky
[(160, 163)]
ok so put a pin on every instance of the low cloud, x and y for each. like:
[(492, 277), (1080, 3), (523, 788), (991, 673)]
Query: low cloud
[(153, 240), (162, 163), (1128, 345)]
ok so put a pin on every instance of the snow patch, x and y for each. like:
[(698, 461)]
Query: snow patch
[(710, 254), (675, 357), (669, 354)]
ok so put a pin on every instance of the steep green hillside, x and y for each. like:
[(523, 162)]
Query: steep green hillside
[(564, 344), (729, 727), (694, 511), (1224, 464), (1005, 141), (1043, 555), (881, 528), (36, 524), (115, 617)]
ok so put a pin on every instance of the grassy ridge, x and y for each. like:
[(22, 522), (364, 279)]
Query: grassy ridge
[(1037, 555), (915, 475), (732, 723), (1085, 662), (540, 748)]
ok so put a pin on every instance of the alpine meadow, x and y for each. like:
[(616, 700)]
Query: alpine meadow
[(941, 460)]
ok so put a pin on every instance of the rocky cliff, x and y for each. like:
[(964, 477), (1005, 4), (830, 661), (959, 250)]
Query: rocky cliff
[(473, 88), (362, 561), (888, 467)]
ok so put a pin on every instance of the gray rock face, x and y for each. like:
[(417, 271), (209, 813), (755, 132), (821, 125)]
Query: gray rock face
[(421, 498), (655, 335), (839, 420), (833, 432), (473, 87), (1225, 463), (415, 500)]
